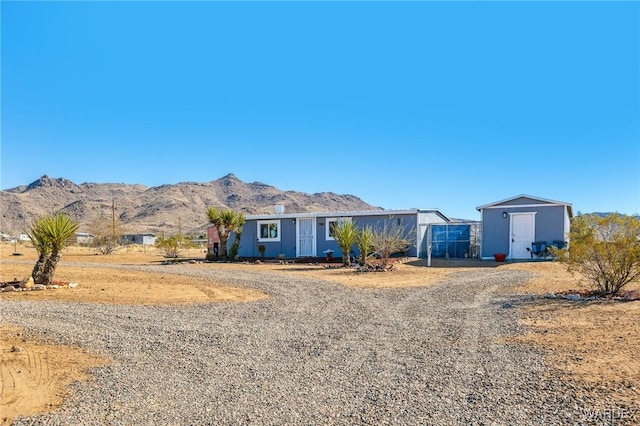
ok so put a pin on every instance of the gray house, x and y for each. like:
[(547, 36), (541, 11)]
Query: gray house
[(310, 234), (511, 226), (147, 239)]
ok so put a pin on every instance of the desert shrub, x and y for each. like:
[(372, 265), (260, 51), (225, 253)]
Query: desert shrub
[(604, 250), (172, 246), (261, 249), (389, 240)]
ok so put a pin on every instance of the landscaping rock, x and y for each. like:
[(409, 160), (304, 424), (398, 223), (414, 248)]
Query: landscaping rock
[(573, 297), (72, 285), (28, 283), (549, 295), (8, 288), (39, 287), (631, 295)]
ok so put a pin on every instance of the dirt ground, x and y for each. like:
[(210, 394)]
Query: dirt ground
[(593, 343)]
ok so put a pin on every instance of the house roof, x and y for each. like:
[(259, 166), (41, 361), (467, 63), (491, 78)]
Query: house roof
[(345, 214), (531, 197)]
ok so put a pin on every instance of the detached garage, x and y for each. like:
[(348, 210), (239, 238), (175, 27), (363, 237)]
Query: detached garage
[(510, 226)]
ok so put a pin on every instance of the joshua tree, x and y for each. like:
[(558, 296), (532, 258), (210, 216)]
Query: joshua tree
[(226, 221), (49, 235), (238, 224)]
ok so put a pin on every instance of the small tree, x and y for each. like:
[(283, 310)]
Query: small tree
[(172, 246), (605, 250), (346, 235), (226, 222), (365, 244), (238, 225), (390, 239), (49, 235)]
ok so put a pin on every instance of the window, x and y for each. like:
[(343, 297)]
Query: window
[(268, 230), (331, 224)]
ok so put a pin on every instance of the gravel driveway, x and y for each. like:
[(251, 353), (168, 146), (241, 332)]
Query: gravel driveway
[(313, 353)]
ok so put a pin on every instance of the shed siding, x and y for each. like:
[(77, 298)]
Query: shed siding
[(549, 226)]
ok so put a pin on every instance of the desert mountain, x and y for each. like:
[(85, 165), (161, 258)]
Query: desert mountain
[(167, 208)]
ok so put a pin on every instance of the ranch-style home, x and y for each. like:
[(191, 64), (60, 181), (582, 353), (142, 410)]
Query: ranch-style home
[(291, 235), (513, 225)]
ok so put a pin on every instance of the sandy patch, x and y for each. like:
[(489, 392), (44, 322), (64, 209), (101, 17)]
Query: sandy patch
[(595, 343), (35, 376)]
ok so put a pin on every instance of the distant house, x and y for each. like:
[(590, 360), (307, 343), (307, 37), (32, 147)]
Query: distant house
[(143, 239), (510, 226), (310, 234), (84, 238)]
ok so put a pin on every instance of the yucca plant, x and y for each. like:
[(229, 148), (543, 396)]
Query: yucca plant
[(38, 238), (346, 235), (365, 244), (49, 235), (238, 224), (226, 222)]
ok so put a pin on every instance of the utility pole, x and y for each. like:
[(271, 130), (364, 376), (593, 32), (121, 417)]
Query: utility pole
[(113, 217)]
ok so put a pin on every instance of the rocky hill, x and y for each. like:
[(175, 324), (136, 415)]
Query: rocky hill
[(167, 208)]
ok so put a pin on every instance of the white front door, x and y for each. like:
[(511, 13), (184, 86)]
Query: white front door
[(306, 229), (523, 232)]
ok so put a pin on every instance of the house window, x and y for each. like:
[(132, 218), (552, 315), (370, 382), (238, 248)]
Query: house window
[(268, 230), (331, 225)]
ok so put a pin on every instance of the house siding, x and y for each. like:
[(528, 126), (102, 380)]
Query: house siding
[(288, 235)]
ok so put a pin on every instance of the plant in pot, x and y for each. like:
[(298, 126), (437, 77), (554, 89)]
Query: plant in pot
[(500, 257)]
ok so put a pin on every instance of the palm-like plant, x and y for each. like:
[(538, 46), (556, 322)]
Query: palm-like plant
[(238, 224), (346, 235), (226, 221), (365, 244), (49, 235)]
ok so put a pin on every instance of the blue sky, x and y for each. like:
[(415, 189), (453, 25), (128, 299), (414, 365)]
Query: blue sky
[(414, 104)]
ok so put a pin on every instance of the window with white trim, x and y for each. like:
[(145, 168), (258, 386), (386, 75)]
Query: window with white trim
[(331, 224), (268, 230)]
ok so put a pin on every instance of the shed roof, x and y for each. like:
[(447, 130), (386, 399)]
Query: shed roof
[(543, 201)]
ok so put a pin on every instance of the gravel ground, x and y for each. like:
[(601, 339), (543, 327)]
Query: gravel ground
[(313, 353)]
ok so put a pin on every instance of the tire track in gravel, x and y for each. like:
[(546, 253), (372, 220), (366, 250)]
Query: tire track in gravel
[(313, 353)]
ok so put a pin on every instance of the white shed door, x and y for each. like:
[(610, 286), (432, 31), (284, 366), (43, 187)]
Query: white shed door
[(306, 237), (522, 234)]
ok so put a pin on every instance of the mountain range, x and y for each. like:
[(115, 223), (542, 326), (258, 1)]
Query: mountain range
[(167, 208)]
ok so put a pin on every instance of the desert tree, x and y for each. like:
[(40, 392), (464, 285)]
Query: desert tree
[(346, 235), (604, 250), (37, 235), (238, 225), (49, 235), (226, 221), (390, 239)]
